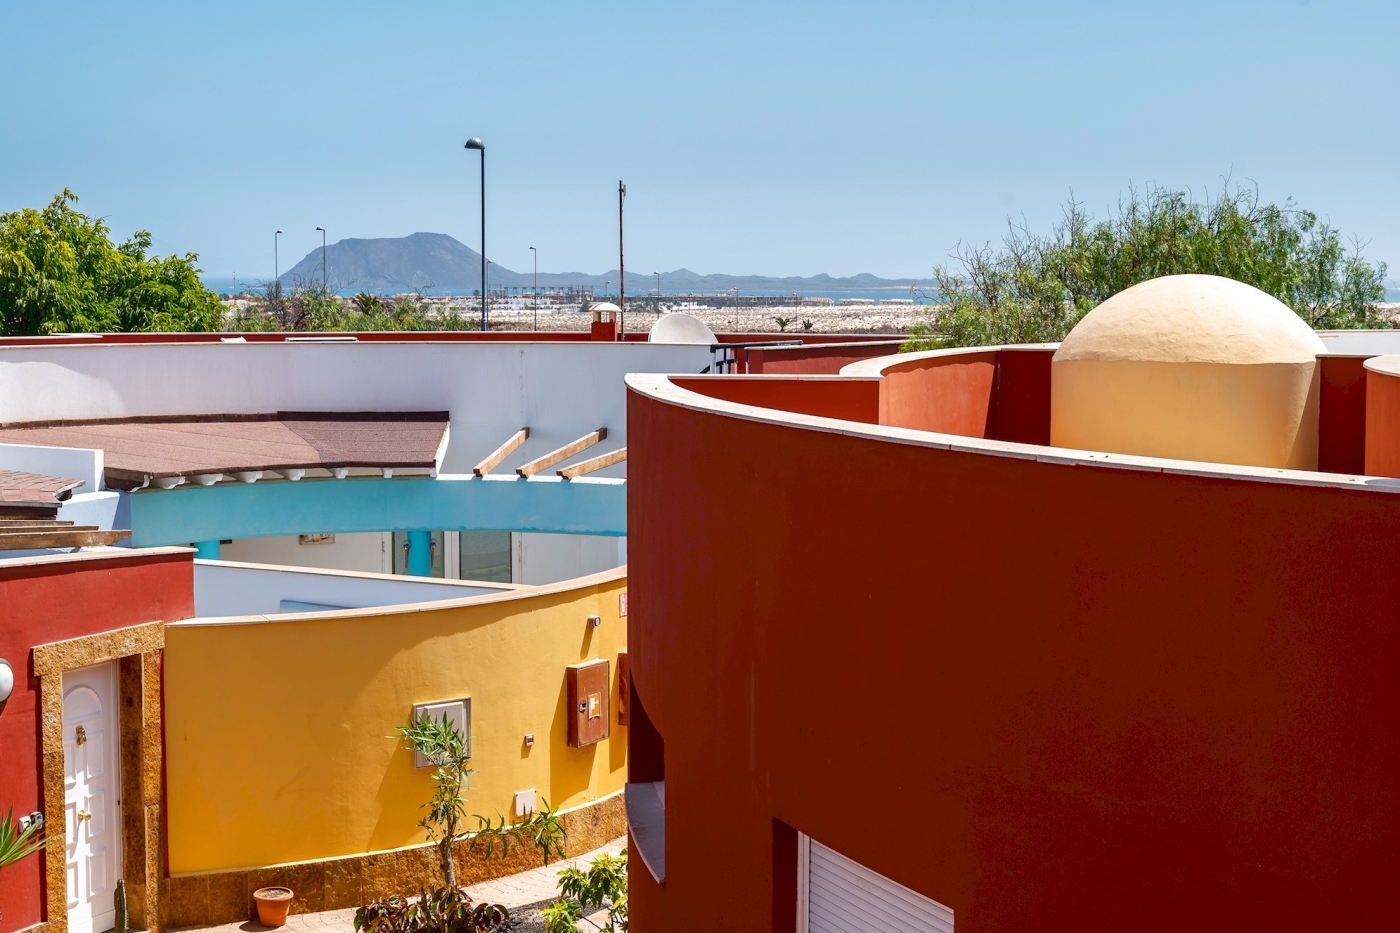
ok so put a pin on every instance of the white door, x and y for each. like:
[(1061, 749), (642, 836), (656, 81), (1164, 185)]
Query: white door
[(838, 895), (90, 796)]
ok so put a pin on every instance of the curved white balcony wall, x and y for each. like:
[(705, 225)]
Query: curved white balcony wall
[(492, 389), (225, 588), (534, 558)]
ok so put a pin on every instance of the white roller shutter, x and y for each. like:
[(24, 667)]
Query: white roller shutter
[(837, 895)]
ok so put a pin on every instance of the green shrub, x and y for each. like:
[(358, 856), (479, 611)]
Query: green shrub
[(603, 885), (61, 273), (1036, 288)]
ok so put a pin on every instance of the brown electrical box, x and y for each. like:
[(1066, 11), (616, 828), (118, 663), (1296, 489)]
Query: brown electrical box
[(588, 687), (623, 688)]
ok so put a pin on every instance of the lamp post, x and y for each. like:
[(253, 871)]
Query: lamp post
[(276, 265), (607, 283), (536, 254), (476, 143), (658, 291), (323, 259)]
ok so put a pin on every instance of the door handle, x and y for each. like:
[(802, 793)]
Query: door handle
[(84, 815)]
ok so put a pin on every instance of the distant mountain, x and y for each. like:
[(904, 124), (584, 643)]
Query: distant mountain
[(426, 261), (436, 262)]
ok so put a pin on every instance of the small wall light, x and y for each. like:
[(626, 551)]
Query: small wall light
[(7, 680), (529, 739), (595, 621)]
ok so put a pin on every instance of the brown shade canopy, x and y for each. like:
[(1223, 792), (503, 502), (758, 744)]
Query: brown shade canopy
[(139, 450)]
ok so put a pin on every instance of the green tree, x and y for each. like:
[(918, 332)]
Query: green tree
[(61, 273), (1037, 287), (444, 747)]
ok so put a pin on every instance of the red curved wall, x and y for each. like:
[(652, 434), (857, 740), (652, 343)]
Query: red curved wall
[(1051, 697), (42, 603), (1382, 435)]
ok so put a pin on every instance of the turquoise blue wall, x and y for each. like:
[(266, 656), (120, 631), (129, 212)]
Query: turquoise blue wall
[(330, 506)]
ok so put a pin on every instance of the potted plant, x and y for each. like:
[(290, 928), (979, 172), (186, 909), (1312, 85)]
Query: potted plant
[(273, 903)]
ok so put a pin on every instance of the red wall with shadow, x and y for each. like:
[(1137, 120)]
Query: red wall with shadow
[(45, 603), (850, 400), (1052, 697), (824, 358), (1000, 395)]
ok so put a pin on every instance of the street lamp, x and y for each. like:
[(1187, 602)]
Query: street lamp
[(658, 291), (536, 254), (476, 143), (607, 283), (276, 264), (323, 259)]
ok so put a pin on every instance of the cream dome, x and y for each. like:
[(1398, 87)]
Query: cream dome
[(1194, 367)]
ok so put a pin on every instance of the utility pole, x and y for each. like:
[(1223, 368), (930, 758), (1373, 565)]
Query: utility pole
[(621, 273), (535, 253)]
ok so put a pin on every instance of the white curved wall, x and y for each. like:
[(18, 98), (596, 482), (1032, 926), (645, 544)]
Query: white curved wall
[(560, 390)]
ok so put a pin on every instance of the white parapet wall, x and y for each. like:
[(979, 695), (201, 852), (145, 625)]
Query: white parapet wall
[(68, 462), (225, 588), (560, 391)]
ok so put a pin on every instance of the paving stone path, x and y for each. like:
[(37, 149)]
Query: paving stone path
[(526, 889)]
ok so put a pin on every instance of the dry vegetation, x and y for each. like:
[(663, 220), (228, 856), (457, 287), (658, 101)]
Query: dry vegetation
[(828, 319)]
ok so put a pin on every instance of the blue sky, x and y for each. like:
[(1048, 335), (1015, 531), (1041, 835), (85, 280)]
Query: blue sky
[(772, 138)]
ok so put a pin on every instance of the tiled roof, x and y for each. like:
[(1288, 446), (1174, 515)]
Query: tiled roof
[(139, 450), (27, 493)]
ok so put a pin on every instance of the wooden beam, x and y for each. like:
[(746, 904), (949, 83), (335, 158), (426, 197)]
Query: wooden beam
[(31, 527), (24, 540), (592, 466), (563, 453), (505, 450)]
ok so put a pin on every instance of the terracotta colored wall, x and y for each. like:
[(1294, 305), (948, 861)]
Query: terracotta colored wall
[(951, 394), (1023, 396), (1382, 440), (1051, 697), (52, 602), (851, 400), (807, 339), (827, 358), (1341, 426)]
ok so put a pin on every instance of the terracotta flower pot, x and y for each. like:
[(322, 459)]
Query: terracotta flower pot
[(272, 905)]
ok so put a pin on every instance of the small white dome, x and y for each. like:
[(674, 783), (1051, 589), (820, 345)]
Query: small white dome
[(680, 328)]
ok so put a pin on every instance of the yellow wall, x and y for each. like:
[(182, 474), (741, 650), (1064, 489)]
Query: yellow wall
[(280, 735), (1260, 415)]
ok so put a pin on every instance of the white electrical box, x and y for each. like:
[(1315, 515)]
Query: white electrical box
[(524, 803), (458, 712)]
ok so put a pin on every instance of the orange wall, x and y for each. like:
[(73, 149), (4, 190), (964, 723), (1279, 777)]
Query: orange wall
[(999, 394), (949, 394), (1382, 424), (1052, 697)]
